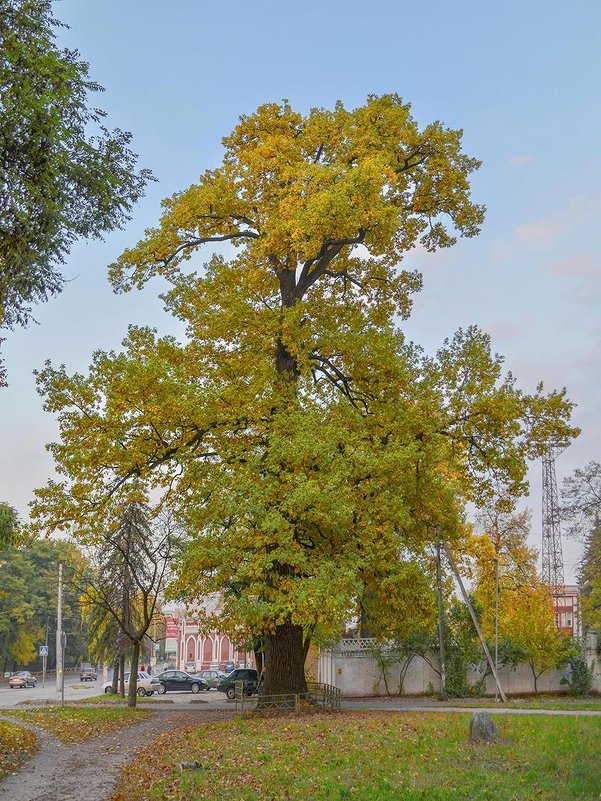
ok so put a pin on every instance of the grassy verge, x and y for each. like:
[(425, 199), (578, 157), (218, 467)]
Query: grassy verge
[(116, 700), (568, 703), (16, 743), (550, 702), (371, 757), (73, 724), (106, 699), (81, 685)]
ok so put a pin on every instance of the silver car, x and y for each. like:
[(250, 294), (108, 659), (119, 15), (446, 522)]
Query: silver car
[(147, 685), (23, 679)]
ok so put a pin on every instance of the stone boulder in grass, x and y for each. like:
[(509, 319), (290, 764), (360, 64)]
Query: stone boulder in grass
[(482, 729)]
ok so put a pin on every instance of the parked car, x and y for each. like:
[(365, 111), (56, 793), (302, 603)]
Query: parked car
[(147, 685), (87, 672), (249, 676), (212, 677), (22, 678), (178, 680), (228, 667)]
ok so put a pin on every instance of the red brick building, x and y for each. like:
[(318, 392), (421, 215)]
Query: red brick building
[(188, 649), (567, 611)]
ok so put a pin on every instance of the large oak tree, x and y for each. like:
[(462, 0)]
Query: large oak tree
[(310, 449)]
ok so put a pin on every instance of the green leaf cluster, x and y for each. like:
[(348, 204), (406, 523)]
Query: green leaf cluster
[(28, 598), (581, 675), (8, 524), (589, 579), (64, 175)]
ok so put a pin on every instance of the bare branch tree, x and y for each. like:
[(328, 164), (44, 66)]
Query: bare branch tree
[(582, 499), (131, 563)]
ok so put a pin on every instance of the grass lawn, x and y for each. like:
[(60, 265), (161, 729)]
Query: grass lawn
[(373, 757), (75, 723), (16, 744)]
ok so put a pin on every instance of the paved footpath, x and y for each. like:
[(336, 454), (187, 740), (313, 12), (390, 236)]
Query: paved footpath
[(89, 770), (392, 705)]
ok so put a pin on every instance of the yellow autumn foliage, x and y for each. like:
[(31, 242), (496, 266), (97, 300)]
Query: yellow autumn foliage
[(309, 449)]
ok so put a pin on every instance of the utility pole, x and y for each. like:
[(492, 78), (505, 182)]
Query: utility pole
[(59, 631), (63, 646), (468, 603), (497, 620), (443, 678)]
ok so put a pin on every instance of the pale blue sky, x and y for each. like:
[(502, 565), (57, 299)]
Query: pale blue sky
[(521, 79)]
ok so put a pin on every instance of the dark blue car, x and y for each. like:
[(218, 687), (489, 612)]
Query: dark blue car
[(249, 676), (178, 680)]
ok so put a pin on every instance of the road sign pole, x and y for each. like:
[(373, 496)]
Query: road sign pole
[(43, 652)]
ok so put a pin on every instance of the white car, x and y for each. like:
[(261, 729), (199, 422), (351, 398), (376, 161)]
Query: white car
[(147, 684)]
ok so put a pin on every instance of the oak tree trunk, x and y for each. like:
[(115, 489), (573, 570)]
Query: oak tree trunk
[(284, 661), (283, 649)]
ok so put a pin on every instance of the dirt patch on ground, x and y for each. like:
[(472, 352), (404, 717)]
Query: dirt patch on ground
[(70, 772)]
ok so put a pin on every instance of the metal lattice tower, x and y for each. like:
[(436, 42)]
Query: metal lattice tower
[(552, 568)]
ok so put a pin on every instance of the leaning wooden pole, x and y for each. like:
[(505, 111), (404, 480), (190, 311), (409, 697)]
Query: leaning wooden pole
[(468, 603), (443, 678)]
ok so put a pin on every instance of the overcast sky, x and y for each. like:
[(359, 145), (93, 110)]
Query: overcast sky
[(521, 79)]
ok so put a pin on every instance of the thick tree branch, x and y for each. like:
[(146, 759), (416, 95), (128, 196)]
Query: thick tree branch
[(408, 164), (338, 379), (314, 268), (193, 243)]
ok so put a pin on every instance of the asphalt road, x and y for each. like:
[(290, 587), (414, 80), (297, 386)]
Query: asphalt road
[(214, 701), (73, 689), (79, 691)]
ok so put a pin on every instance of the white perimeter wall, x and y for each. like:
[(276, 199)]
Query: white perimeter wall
[(358, 675)]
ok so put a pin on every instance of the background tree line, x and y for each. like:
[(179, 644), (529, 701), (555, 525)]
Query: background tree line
[(28, 598)]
